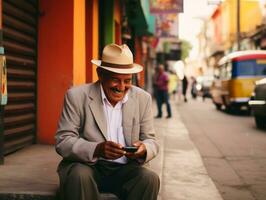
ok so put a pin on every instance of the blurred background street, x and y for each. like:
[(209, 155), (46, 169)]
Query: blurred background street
[(232, 148)]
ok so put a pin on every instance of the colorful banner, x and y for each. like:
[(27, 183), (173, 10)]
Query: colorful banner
[(166, 6), (167, 25)]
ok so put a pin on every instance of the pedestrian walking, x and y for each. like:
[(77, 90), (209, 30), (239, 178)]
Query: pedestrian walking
[(184, 87), (172, 84), (193, 87), (105, 134), (162, 97)]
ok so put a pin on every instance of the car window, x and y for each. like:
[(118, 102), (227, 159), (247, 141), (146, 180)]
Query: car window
[(244, 68), (261, 67), (225, 71), (249, 68)]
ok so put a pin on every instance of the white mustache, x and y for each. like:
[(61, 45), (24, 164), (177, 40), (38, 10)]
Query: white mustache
[(116, 90)]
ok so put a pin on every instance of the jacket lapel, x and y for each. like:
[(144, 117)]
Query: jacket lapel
[(128, 118), (96, 107)]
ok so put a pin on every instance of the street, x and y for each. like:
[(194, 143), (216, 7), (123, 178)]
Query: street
[(232, 149)]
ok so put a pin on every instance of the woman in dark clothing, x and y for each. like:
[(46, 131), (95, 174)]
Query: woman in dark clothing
[(184, 87)]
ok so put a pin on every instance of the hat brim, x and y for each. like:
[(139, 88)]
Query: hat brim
[(135, 69)]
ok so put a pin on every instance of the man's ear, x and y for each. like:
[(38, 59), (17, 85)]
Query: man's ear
[(99, 73)]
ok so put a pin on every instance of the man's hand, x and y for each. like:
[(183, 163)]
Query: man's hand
[(140, 153), (109, 150)]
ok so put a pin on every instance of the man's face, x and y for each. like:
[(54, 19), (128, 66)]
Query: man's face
[(161, 69), (115, 86)]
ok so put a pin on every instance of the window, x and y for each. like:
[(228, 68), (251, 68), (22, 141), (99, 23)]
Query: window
[(261, 67), (226, 71), (250, 68), (244, 68), (229, 70)]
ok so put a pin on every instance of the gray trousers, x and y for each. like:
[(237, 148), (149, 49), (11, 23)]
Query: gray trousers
[(127, 181)]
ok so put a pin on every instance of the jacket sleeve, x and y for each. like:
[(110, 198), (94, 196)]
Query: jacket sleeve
[(69, 144), (147, 133)]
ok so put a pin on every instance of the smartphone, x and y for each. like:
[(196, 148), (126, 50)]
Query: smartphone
[(130, 149)]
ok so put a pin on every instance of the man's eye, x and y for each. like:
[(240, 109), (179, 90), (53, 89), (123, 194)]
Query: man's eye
[(128, 81), (115, 80)]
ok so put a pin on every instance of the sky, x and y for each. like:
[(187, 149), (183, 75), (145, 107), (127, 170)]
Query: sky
[(191, 21)]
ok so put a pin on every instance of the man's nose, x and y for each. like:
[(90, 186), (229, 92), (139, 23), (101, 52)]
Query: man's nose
[(122, 86)]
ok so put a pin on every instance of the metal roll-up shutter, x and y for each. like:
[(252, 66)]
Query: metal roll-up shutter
[(20, 43)]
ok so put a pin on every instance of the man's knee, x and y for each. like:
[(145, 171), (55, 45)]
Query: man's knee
[(79, 183), (81, 172), (150, 178)]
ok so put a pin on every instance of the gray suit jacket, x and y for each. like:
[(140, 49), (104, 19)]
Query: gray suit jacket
[(83, 125)]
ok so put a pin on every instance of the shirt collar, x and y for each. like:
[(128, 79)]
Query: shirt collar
[(104, 98)]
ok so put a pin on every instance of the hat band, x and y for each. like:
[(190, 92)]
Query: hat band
[(106, 64)]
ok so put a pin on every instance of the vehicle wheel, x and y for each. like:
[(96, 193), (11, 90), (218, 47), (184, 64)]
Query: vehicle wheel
[(232, 109), (228, 108), (249, 111), (218, 106), (260, 121)]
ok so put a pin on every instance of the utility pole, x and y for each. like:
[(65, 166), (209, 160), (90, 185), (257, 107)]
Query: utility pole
[(238, 31)]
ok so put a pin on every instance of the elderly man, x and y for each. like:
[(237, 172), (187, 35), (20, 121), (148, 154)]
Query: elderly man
[(105, 134)]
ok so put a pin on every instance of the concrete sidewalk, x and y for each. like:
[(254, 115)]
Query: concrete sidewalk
[(183, 175), (31, 173)]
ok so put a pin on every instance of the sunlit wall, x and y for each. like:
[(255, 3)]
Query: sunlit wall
[(250, 17)]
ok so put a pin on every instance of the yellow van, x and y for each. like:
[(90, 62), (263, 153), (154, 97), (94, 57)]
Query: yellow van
[(237, 72)]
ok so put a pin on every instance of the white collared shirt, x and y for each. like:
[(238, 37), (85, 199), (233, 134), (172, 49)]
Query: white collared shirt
[(113, 117)]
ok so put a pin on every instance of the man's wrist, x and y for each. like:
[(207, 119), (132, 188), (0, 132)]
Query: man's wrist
[(144, 155), (96, 153)]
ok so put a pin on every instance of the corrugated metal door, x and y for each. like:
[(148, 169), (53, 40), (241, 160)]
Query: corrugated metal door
[(20, 43)]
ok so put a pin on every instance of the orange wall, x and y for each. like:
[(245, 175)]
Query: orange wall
[(117, 18), (55, 64), (118, 39), (92, 38), (217, 20), (79, 62)]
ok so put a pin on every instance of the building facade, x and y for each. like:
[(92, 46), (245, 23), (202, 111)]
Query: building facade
[(48, 46)]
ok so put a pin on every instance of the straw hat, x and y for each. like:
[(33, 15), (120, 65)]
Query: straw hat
[(118, 59)]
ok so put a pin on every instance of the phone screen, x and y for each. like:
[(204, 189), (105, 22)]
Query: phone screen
[(130, 149)]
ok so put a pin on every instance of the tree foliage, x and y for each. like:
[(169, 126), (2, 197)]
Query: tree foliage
[(185, 49)]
